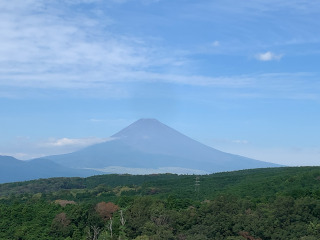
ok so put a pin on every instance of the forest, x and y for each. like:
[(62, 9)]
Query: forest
[(257, 204)]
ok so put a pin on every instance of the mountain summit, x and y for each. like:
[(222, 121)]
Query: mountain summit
[(141, 127), (149, 146)]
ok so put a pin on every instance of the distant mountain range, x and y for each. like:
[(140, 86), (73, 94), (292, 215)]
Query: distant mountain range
[(146, 146), (14, 170)]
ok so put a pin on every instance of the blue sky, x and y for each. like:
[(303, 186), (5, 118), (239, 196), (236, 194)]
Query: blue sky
[(240, 76)]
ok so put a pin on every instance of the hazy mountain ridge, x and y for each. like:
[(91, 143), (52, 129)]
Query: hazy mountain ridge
[(14, 170)]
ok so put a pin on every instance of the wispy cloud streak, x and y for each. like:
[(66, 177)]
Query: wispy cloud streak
[(29, 148), (49, 46)]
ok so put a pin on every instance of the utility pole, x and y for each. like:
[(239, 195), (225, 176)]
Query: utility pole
[(197, 186)]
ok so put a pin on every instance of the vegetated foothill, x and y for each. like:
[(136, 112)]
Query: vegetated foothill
[(272, 203)]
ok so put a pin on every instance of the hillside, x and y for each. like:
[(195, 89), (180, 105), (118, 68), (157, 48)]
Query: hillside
[(274, 203), (253, 182)]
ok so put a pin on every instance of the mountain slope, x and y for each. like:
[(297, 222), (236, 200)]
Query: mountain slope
[(149, 144), (14, 170)]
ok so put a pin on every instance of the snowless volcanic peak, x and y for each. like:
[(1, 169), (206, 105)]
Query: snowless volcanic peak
[(152, 136), (141, 128), (149, 129), (150, 144)]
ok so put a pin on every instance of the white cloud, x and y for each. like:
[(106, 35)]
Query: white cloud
[(21, 156), (26, 148), (240, 141), (216, 44), (268, 56), (49, 46), (74, 142), (54, 49), (196, 80), (95, 120)]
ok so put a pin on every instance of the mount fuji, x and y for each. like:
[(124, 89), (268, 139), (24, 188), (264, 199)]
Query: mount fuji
[(149, 146)]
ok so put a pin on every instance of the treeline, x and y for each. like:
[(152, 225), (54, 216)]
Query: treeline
[(279, 203), (66, 183), (262, 184)]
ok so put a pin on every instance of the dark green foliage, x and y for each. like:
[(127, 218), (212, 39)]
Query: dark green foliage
[(281, 203)]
